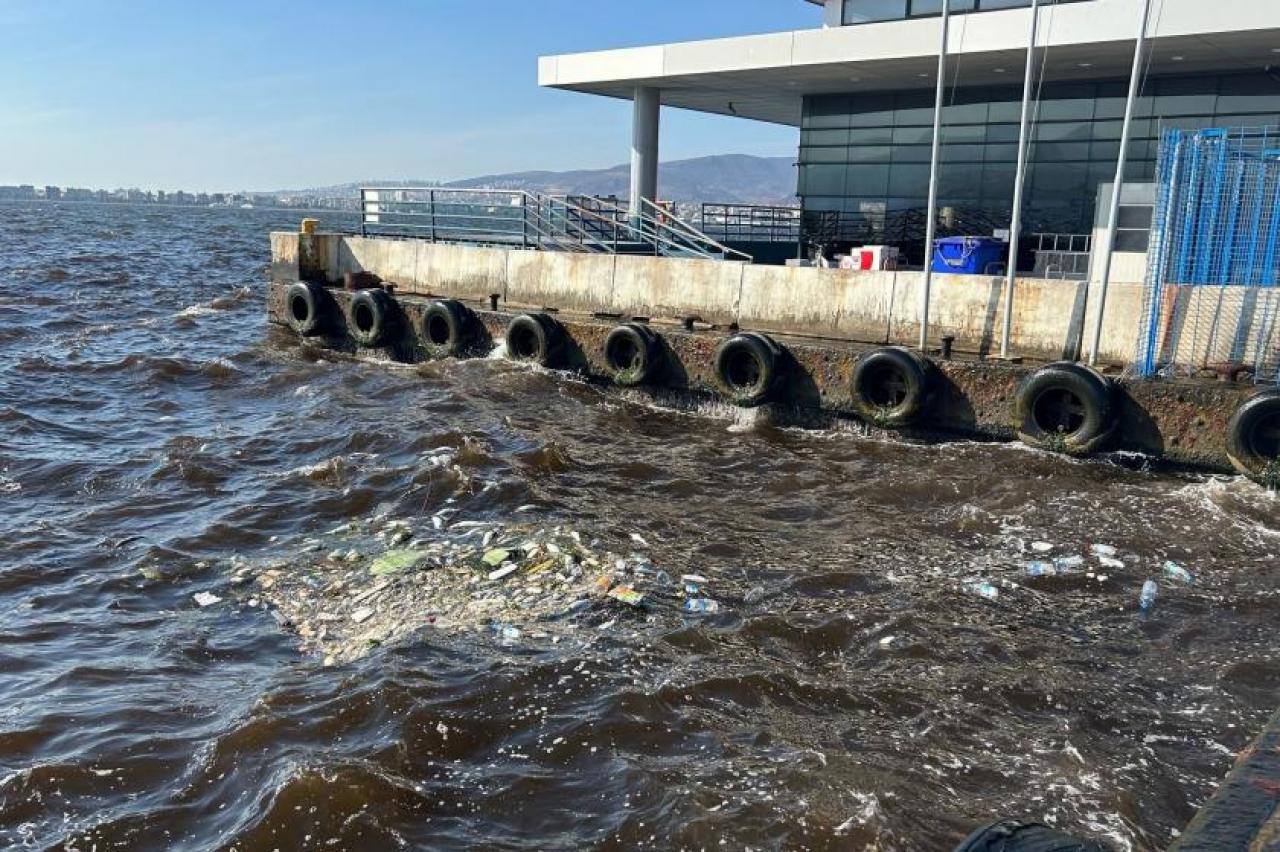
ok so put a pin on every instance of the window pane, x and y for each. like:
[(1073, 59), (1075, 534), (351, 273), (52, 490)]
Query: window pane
[(868, 148), (866, 11), (934, 7), (1002, 4)]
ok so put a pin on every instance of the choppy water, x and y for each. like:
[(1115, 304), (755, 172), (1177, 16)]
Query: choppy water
[(153, 429)]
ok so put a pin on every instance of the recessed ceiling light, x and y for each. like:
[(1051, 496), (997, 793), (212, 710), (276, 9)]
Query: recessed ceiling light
[(924, 75), (998, 70), (1177, 58), (1086, 64)]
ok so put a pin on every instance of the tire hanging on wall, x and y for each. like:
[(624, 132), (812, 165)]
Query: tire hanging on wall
[(1253, 438), (890, 387), (747, 368), (535, 339), (371, 316), (633, 353), (1066, 408), (306, 305), (448, 328)]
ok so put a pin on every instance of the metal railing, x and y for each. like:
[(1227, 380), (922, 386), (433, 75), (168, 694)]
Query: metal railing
[(1072, 243), (532, 221), (751, 223), (1062, 256)]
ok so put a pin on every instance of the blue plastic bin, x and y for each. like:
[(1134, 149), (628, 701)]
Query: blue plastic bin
[(968, 255)]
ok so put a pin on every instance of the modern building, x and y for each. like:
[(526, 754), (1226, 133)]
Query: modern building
[(861, 91)]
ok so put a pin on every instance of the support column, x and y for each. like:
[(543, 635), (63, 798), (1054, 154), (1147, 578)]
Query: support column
[(644, 148)]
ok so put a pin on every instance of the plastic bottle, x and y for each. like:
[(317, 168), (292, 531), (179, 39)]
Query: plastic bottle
[(1147, 598), (1176, 572), (1041, 569), (701, 605), (984, 589), (1068, 563)]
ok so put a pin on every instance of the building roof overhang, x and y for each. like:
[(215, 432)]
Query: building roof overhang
[(765, 77)]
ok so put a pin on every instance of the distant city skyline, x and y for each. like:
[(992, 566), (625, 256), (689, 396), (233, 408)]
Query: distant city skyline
[(241, 95)]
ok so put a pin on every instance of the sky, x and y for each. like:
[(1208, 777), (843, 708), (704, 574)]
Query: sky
[(267, 94)]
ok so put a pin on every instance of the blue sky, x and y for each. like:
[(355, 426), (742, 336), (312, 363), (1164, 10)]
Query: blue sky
[(268, 94)]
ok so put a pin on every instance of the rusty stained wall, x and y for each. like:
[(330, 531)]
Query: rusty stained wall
[(869, 307), (1182, 422)]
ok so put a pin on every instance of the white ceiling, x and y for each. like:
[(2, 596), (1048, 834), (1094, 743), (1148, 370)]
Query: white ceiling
[(766, 77)]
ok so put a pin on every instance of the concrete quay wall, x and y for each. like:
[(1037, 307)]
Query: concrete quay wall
[(1179, 422), (872, 307)]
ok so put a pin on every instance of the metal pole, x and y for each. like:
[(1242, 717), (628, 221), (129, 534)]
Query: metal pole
[(930, 227), (1109, 244), (1019, 182)]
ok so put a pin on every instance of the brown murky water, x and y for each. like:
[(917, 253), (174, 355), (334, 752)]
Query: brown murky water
[(853, 691)]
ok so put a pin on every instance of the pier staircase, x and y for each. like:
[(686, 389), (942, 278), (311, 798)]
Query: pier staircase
[(530, 220)]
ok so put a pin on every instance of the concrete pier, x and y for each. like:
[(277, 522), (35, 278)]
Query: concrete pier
[(824, 320)]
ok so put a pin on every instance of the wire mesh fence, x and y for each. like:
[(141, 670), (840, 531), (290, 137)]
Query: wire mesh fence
[(1213, 267)]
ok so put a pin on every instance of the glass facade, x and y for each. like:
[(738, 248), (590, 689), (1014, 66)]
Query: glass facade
[(871, 11), (864, 158)]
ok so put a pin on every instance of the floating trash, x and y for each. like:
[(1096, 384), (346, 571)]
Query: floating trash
[(1041, 546), (705, 606), (627, 595), (1177, 573), (693, 583), (1068, 563), (1103, 551), (395, 560), (984, 590), (1147, 597), (459, 576), (496, 557), (503, 572), (1041, 569), (204, 599)]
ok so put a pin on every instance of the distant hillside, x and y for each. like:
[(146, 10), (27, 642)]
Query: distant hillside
[(736, 178), (728, 177)]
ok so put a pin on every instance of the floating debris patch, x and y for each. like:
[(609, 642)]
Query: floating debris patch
[(382, 580)]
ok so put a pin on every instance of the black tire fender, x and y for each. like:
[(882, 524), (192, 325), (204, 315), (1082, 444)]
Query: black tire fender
[(1253, 438), (747, 368), (371, 317), (1066, 408), (534, 339), (891, 387), (447, 328), (306, 308), (633, 354)]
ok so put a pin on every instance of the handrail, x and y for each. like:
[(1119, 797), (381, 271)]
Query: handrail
[(532, 220), (693, 232)]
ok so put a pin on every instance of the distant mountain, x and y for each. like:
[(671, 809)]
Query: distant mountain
[(732, 178)]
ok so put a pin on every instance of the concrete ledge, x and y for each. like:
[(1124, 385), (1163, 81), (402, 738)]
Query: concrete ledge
[(1052, 319), (1122, 322), (567, 282), (677, 287), (824, 302), (461, 272)]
